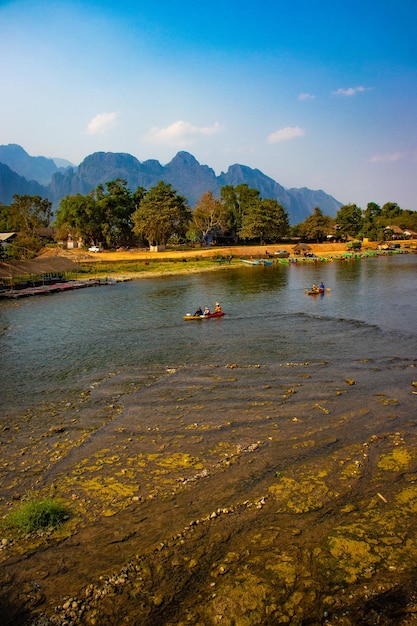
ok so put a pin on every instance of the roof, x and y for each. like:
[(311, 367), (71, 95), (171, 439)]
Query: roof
[(6, 236), (302, 246), (395, 229), (37, 267)]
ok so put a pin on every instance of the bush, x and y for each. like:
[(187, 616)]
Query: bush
[(354, 245), (36, 514)]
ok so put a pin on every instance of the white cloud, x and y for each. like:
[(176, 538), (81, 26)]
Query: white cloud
[(180, 134), (306, 96), (350, 91), (284, 134), (101, 123), (388, 157)]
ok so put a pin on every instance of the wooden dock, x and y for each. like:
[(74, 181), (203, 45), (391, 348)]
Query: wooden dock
[(59, 287)]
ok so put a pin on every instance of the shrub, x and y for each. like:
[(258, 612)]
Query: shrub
[(36, 514)]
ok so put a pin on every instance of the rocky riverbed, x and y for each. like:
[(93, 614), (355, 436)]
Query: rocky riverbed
[(230, 494)]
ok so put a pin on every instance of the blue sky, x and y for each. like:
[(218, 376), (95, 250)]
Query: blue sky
[(314, 94)]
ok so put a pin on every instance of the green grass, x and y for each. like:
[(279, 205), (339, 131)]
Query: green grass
[(148, 265), (36, 514)]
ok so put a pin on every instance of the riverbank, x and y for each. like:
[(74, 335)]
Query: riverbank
[(226, 252), (141, 263), (196, 509)]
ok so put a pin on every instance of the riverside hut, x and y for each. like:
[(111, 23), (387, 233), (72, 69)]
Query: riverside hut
[(301, 248), (34, 273)]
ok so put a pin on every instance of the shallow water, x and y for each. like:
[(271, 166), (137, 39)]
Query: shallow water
[(50, 344)]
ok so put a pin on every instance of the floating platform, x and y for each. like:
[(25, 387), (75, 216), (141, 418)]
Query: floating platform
[(43, 290)]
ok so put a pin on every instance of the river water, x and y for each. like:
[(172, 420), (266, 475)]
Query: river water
[(52, 344)]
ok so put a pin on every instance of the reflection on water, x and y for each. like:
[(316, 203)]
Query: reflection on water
[(53, 344)]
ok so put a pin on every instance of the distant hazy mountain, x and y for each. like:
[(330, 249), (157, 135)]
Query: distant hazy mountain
[(32, 168), (184, 173), (307, 197), (11, 184), (62, 163)]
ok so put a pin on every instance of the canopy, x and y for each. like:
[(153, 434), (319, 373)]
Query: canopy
[(37, 267)]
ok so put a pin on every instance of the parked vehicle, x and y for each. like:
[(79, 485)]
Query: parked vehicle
[(94, 249)]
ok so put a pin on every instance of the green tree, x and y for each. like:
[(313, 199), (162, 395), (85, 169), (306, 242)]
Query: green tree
[(390, 211), (316, 227), (25, 215), (372, 211), (265, 220), (24, 247), (209, 217), (103, 216), (231, 204), (161, 214), (79, 216), (116, 207), (4, 218), (371, 224), (409, 220), (238, 201), (349, 220)]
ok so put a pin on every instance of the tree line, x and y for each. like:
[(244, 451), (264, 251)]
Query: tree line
[(113, 216)]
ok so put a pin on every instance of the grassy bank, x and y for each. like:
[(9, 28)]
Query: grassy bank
[(153, 267), (138, 263)]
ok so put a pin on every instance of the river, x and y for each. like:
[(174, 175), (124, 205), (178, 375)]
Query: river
[(49, 343)]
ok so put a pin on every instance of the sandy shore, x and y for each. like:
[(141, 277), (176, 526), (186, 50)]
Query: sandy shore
[(323, 250)]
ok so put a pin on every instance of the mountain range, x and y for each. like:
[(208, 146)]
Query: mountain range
[(54, 179)]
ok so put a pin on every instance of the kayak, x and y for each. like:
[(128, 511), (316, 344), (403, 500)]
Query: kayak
[(203, 317), (313, 292), (256, 262)]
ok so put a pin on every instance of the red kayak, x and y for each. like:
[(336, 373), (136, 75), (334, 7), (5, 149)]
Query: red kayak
[(204, 317)]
